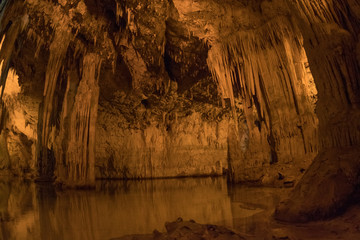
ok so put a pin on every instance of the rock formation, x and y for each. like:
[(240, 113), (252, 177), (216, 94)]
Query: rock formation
[(106, 107), (147, 89), (331, 32)]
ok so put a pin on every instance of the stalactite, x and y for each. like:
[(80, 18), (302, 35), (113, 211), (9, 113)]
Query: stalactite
[(332, 34), (76, 148), (58, 49), (263, 60), (268, 66)]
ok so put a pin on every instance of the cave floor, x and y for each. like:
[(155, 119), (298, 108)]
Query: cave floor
[(115, 208)]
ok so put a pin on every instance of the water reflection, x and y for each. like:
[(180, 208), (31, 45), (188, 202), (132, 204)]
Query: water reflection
[(252, 208), (116, 208)]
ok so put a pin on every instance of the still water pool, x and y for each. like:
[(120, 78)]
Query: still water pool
[(31, 211)]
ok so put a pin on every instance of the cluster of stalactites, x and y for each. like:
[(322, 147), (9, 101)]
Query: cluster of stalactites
[(79, 113), (72, 136), (268, 68), (332, 31), (327, 11), (253, 60)]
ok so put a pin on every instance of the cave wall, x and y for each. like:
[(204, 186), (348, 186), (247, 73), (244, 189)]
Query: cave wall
[(182, 142), (18, 112), (170, 114)]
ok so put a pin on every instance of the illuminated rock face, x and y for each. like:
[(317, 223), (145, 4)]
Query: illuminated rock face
[(107, 105), (176, 146), (142, 89), (256, 53)]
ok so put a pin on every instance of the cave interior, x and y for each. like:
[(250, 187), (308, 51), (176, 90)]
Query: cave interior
[(264, 93)]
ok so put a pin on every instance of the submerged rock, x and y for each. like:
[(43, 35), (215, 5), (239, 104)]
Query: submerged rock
[(186, 230)]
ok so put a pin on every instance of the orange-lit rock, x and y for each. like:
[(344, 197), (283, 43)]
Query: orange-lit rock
[(181, 144)]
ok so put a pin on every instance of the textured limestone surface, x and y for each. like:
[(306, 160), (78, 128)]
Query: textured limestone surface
[(189, 146), (162, 136)]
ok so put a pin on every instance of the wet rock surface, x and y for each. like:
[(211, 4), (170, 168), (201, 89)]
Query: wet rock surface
[(182, 230)]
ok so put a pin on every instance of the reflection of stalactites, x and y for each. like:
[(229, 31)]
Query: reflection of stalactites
[(46, 201), (58, 49), (77, 125)]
